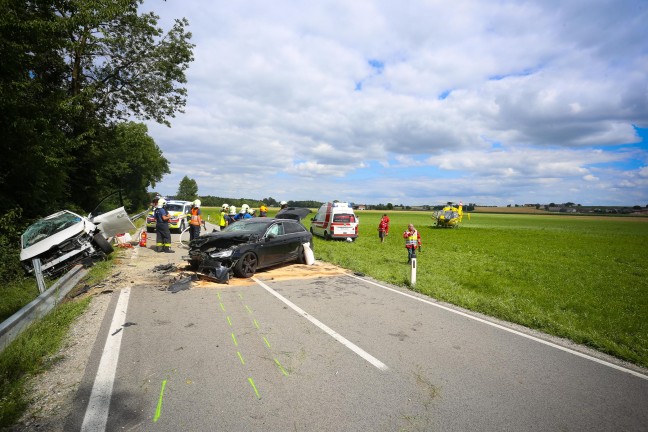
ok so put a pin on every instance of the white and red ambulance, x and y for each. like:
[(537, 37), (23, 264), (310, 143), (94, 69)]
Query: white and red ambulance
[(335, 220)]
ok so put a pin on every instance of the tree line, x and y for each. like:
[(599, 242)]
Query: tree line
[(74, 76)]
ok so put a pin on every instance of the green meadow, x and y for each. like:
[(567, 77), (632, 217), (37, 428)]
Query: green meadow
[(582, 278)]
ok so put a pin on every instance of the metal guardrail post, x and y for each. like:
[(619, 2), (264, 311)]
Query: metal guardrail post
[(40, 280)]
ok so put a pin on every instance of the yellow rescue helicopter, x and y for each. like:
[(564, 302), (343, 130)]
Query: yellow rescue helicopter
[(449, 217)]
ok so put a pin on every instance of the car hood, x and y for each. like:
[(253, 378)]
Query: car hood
[(56, 239), (223, 240), (296, 213)]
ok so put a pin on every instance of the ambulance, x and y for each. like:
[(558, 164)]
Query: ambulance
[(335, 220)]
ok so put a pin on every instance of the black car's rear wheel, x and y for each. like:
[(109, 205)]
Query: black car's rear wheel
[(246, 266)]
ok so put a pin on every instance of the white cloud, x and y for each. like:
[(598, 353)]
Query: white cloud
[(501, 100)]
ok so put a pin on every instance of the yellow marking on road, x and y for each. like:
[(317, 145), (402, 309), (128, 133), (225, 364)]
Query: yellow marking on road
[(222, 307), (234, 339), (240, 357), (254, 387), (266, 342), (283, 371), (158, 410), (256, 324), (248, 309), (229, 321)]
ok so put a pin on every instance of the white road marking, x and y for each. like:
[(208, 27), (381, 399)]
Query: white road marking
[(501, 327), (365, 355), (96, 415)]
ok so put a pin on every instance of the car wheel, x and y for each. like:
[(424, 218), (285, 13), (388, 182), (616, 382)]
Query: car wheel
[(246, 265), (301, 259), (100, 241), (327, 236)]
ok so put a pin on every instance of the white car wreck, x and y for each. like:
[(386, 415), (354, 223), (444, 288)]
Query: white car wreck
[(65, 238)]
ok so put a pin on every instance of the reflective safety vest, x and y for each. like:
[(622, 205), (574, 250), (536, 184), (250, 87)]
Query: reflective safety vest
[(222, 222), (411, 240), (195, 216)]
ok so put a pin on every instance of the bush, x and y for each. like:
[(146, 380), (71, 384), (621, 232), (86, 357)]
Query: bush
[(12, 226)]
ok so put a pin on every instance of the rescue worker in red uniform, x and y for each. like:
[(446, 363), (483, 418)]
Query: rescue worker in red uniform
[(383, 228), (196, 221), (412, 242)]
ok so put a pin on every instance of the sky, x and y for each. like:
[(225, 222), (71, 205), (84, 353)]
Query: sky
[(414, 103)]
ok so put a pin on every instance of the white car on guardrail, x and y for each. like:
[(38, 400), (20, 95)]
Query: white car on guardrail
[(65, 238)]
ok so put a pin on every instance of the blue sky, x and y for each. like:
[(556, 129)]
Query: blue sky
[(423, 102)]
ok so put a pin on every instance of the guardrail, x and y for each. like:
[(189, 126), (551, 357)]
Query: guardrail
[(38, 308)]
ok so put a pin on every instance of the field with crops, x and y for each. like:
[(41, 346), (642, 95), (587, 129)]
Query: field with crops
[(582, 278)]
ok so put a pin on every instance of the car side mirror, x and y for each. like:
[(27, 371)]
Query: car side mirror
[(270, 236)]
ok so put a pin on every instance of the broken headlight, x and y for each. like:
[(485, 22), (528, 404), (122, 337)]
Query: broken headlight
[(222, 254)]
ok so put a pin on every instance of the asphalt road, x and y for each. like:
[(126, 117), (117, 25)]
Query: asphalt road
[(334, 353)]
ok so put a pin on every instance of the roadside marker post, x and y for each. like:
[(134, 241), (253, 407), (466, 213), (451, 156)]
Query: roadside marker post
[(413, 269)]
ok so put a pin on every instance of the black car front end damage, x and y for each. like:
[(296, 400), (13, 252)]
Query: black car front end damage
[(250, 244), (219, 249)]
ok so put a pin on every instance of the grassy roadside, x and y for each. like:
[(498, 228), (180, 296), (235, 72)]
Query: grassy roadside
[(34, 350)]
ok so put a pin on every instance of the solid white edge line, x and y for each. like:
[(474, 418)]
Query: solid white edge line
[(501, 327), (96, 415), (335, 335)]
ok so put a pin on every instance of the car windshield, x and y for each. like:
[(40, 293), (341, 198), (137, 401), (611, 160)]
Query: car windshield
[(174, 207), (250, 225), (346, 218), (45, 228)]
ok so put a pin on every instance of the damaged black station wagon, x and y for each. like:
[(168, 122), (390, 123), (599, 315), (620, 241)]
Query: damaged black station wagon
[(251, 244)]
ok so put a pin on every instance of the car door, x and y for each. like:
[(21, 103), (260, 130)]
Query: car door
[(294, 235), (114, 222), (274, 245)]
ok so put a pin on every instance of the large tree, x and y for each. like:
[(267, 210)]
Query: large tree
[(187, 190), (71, 72)]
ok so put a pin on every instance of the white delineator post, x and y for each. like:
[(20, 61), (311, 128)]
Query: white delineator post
[(413, 270)]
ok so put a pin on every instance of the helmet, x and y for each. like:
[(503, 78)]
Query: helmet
[(283, 203), (197, 203), (232, 210), (225, 206), (245, 208), (161, 203), (251, 210)]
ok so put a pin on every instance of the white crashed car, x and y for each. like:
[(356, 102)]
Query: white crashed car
[(65, 238)]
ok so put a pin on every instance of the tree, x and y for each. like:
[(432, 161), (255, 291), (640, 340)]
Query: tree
[(133, 163), (187, 190), (390, 206), (71, 71)]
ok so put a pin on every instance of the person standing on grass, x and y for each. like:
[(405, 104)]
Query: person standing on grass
[(412, 242), (383, 228)]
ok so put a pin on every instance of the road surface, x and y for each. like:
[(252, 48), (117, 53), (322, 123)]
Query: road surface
[(329, 351)]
